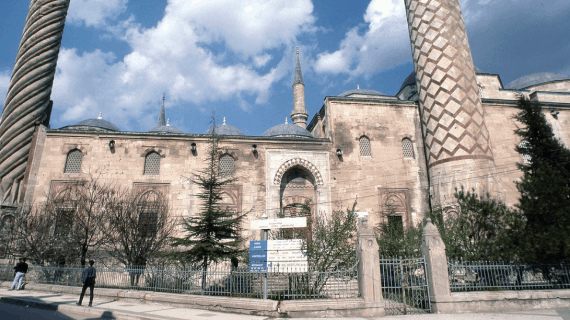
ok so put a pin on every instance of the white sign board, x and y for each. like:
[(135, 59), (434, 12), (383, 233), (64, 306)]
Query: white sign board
[(299, 222), (362, 214), (286, 255), (292, 244), (288, 266)]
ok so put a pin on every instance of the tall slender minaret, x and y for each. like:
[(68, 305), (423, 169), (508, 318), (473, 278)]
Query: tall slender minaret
[(161, 116), (299, 115), (457, 139), (28, 100)]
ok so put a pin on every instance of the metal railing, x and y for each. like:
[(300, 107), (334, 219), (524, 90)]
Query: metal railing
[(219, 281), (485, 276), (404, 286)]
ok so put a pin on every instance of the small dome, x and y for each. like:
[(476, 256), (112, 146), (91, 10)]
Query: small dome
[(535, 79), (287, 130), (225, 130), (93, 124), (165, 129), (366, 92)]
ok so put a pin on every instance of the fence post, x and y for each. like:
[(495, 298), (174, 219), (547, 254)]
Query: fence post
[(369, 281), (437, 275)]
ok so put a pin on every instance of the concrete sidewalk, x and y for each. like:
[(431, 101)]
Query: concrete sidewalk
[(133, 311)]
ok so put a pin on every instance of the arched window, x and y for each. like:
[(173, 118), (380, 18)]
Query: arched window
[(149, 208), (226, 166), (6, 235), (65, 208), (152, 163), (407, 148), (73, 161), (524, 145), (365, 149)]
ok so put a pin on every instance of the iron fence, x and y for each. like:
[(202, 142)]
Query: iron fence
[(219, 281), (485, 276), (404, 286)]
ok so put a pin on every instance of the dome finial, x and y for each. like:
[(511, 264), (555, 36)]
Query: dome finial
[(358, 86), (285, 120), (100, 115), (168, 122)]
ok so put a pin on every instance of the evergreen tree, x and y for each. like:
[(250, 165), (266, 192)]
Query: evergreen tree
[(396, 240), (544, 188), (478, 228), (214, 235)]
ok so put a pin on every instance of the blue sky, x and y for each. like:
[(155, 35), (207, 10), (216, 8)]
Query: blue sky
[(237, 57)]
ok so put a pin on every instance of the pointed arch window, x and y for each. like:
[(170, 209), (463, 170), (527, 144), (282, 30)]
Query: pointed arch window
[(149, 207), (365, 148), (73, 161), (407, 148), (152, 163), (226, 166)]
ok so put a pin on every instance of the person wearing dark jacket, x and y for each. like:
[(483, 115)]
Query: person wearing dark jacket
[(89, 275), (20, 269)]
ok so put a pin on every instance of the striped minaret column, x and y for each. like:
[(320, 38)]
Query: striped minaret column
[(28, 98), (457, 139)]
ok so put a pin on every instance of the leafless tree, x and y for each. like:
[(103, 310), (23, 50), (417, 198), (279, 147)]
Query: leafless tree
[(80, 215), (33, 234), (139, 226)]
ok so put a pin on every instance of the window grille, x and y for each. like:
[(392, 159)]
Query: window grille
[(365, 149), (152, 164), (407, 148), (73, 162), (149, 209), (226, 166), (527, 159)]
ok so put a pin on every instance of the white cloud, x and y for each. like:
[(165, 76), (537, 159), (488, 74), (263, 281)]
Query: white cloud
[(246, 26), (200, 52), (4, 84), (383, 44), (95, 13)]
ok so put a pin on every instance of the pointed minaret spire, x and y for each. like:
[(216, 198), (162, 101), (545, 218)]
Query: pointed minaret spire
[(298, 78), (161, 121), (299, 115)]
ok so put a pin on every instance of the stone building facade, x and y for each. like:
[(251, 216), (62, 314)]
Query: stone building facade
[(382, 151)]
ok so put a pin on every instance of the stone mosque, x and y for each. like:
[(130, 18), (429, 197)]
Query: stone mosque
[(450, 125)]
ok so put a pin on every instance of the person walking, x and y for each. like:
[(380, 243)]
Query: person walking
[(20, 269), (89, 275)]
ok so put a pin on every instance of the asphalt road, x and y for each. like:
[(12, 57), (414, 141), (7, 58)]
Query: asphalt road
[(17, 312)]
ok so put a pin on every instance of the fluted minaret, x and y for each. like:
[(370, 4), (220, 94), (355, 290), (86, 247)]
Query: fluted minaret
[(299, 115), (457, 139), (28, 99), (161, 117)]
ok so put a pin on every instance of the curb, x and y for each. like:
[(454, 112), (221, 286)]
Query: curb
[(89, 311)]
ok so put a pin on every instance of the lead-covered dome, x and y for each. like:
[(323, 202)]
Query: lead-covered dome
[(165, 129), (534, 79), (287, 130), (364, 92), (225, 130), (98, 124)]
